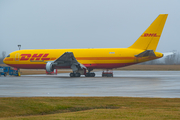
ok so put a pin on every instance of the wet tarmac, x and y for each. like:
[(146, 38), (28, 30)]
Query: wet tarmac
[(159, 84)]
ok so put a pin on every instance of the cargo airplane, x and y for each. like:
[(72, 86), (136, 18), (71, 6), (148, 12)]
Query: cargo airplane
[(83, 61)]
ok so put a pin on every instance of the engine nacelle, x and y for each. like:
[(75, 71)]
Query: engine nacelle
[(49, 67)]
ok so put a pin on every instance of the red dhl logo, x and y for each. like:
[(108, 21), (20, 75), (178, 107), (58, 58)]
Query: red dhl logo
[(35, 57), (150, 35)]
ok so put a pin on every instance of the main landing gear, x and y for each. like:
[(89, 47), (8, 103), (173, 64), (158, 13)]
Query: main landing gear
[(83, 72), (89, 74), (75, 75), (107, 73)]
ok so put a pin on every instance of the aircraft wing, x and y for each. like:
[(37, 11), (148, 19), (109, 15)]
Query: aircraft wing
[(68, 59)]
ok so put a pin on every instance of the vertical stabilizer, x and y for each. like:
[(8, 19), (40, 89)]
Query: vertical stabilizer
[(150, 38)]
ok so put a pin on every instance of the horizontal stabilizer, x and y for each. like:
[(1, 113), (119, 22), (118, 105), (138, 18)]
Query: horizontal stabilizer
[(168, 53), (147, 53)]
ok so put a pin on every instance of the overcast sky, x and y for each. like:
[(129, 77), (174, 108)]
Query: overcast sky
[(56, 24)]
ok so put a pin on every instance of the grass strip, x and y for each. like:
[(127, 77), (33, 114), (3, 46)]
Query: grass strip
[(89, 107)]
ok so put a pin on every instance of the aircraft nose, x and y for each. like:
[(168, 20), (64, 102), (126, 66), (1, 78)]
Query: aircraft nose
[(4, 60)]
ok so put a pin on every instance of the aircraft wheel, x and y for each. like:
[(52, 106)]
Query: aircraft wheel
[(87, 75), (77, 74), (90, 75), (71, 74)]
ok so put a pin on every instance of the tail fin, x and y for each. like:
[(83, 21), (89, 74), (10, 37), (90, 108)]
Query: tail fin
[(150, 38)]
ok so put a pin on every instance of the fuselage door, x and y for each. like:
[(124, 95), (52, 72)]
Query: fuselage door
[(17, 56)]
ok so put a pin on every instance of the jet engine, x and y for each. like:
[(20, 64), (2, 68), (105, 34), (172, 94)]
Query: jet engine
[(49, 67)]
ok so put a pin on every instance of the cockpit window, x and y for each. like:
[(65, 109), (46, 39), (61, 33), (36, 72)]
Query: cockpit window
[(8, 56)]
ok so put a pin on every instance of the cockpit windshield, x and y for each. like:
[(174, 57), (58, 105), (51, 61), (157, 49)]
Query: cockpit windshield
[(8, 56)]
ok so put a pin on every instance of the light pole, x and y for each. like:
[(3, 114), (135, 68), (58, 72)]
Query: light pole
[(19, 47)]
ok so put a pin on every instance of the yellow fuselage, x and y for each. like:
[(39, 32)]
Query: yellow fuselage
[(103, 58)]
